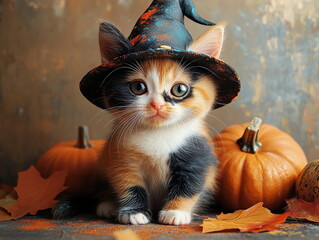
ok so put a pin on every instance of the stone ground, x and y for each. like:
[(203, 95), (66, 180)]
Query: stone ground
[(90, 227)]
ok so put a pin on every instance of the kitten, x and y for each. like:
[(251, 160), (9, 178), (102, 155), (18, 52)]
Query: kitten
[(159, 159)]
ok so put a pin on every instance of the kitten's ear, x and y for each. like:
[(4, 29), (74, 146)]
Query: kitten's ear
[(210, 42), (112, 42)]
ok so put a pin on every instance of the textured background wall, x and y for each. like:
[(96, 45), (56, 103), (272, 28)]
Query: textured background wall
[(47, 46)]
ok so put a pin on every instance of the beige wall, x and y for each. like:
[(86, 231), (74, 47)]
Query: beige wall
[(47, 46)]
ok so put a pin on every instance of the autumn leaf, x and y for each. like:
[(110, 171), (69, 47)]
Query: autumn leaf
[(126, 234), (4, 215), (254, 219), (7, 198), (36, 193), (301, 209), (4, 190)]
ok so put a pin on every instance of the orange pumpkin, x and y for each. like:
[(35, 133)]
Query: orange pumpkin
[(307, 186), (77, 157), (257, 164)]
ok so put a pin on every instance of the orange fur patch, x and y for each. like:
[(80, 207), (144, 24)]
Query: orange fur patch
[(210, 182), (121, 167), (180, 203), (169, 72), (204, 96)]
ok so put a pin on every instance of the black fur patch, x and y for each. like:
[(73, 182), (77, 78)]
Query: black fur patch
[(117, 92), (173, 101), (68, 207), (206, 202), (188, 168), (138, 202)]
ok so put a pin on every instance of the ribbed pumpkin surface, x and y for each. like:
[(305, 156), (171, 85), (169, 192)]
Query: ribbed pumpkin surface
[(79, 161), (268, 176)]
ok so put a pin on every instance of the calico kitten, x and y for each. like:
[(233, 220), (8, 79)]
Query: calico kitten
[(159, 159)]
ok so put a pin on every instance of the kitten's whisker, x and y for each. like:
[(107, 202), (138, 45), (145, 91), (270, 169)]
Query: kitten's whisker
[(121, 113), (114, 119), (95, 116), (137, 67), (210, 126), (119, 68), (188, 63), (114, 132), (207, 69), (133, 123), (123, 130), (112, 115), (218, 119), (98, 99)]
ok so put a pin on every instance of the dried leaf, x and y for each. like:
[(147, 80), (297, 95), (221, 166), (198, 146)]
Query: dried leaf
[(254, 219), (126, 234), (36, 193), (8, 200), (8, 197), (4, 190), (301, 209), (4, 215)]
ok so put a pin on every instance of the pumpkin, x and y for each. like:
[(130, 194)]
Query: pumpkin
[(307, 186), (77, 157), (256, 164)]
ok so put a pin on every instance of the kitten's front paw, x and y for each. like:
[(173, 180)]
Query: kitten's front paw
[(134, 217), (175, 217)]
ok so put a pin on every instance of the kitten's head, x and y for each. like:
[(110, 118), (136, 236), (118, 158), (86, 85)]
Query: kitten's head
[(160, 92)]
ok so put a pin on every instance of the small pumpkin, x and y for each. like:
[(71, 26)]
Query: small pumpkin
[(78, 157), (307, 186), (257, 164)]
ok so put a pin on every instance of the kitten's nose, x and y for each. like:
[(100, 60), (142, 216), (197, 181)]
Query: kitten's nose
[(157, 103)]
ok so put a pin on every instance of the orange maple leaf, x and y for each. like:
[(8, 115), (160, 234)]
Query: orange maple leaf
[(301, 209), (36, 193), (254, 219)]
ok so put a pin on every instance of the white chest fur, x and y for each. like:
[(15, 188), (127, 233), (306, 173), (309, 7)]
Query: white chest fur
[(158, 143)]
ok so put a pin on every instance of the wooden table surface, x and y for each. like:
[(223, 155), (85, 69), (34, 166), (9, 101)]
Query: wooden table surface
[(89, 227)]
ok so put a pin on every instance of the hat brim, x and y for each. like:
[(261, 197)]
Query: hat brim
[(224, 76)]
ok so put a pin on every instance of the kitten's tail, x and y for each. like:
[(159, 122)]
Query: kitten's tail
[(68, 207)]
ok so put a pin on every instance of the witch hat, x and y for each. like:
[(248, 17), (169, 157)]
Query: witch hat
[(158, 33)]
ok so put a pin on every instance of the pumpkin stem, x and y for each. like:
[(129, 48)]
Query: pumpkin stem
[(249, 141), (83, 138)]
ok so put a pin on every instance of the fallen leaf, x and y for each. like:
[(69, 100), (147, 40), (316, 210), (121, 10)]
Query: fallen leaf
[(8, 200), (4, 215), (5, 188), (301, 209), (8, 197), (254, 219), (126, 234), (36, 193)]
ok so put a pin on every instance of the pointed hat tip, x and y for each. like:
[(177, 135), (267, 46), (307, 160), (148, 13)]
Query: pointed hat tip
[(189, 10)]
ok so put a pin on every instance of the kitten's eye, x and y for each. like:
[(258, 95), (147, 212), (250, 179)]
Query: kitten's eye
[(180, 90), (138, 87)]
